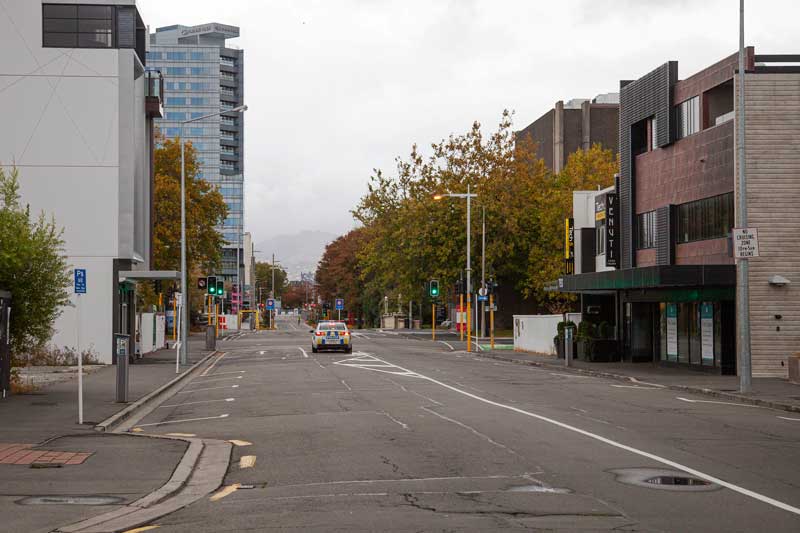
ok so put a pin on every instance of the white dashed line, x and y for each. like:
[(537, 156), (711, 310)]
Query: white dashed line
[(184, 420)]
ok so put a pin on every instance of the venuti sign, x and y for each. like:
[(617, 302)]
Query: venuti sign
[(612, 230), (569, 246)]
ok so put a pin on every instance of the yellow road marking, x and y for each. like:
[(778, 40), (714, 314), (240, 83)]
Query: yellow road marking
[(180, 435), (213, 364), (140, 529), (240, 442), (230, 489), (247, 461), (137, 430)]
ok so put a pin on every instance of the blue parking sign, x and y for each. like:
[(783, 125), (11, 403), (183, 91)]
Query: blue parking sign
[(339, 304), (270, 304), (80, 281)]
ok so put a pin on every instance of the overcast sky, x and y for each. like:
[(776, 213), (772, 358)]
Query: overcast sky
[(339, 87)]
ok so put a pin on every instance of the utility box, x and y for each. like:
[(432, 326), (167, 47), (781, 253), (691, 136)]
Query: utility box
[(122, 350), (211, 338)]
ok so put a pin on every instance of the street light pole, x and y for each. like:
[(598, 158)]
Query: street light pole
[(184, 353), (742, 264), (483, 272)]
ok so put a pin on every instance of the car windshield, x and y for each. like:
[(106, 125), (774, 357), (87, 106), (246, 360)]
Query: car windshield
[(332, 326)]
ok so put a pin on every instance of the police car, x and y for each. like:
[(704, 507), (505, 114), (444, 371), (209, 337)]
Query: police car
[(331, 335)]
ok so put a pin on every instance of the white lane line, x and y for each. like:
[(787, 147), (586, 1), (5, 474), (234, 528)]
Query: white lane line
[(736, 488), (448, 345), (210, 388), (345, 384), (405, 480), (225, 373), (193, 403), (570, 375), (396, 421), (212, 365), (184, 420), (471, 429), (790, 418), (634, 387), (656, 385), (220, 379), (262, 352), (719, 403), (305, 354), (247, 461)]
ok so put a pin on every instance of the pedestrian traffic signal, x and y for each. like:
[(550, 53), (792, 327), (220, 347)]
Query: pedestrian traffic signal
[(434, 288), (220, 287), (211, 285)]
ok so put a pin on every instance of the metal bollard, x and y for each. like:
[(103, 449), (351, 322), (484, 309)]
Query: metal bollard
[(211, 338), (568, 346), (123, 352)]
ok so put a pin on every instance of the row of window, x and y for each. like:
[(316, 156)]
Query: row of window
[(190, 71), (172, 132), (190, 100), (687, 117), (88, 26), (182, 56), (190, 86), (709, 218), (180, 115)]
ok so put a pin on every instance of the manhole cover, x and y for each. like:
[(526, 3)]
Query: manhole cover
[(654, 478), (70, 500)]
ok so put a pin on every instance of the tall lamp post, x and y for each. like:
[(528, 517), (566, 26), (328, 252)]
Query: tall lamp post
[(184, 356), (469, 196), (274, 312)]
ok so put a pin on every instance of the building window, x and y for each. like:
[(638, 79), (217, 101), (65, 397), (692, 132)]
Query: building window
[(600, 239), (709, 218), (687, 115), (77, 26), (647, 230), (653, 133)]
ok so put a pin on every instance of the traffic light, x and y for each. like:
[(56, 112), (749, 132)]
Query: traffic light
[(211, 285), (220, 287), (434, 288)]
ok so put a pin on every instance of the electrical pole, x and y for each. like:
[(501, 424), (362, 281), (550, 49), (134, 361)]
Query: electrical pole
[(742, 265), (483, 272)]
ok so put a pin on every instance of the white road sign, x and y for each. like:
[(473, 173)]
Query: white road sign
[(745, 242)]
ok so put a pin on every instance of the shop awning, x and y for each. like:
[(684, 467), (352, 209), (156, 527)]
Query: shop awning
[(652, 277), (141, 275)]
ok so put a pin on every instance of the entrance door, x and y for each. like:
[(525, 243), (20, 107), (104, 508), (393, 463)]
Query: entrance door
[(639, 326)]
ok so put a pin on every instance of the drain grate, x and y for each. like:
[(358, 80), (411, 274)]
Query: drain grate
[(70, 500), (672, 480)]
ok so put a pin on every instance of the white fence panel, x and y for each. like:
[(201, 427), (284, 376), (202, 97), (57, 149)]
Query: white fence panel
[(534, 333)]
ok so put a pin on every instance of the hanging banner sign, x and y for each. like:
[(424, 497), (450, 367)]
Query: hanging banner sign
[(612, 230), (672, 332), (707, 332), (569, 246)]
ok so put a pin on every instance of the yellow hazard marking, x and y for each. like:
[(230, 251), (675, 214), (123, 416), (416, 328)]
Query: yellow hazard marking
[(240, 442), (137, 430), (230, 489), (140, 529), (180, 435), (247, 461)]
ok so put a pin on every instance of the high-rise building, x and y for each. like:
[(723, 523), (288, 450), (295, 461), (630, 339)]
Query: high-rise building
[(204, 75)]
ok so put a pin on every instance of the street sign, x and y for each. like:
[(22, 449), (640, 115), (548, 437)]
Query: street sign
[(339, 304), (745, 242), (202, 283), (271, 304), (80, 281), (483, 291), (483, 297)]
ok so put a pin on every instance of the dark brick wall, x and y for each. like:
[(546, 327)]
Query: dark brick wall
[(604, 128), (712, 76), (646, 258), (573, 132), (650, 95), (710, 252), (541, 131), (692, 168)]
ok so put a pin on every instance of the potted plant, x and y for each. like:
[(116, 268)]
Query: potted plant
[(585, 340), (558, 340)]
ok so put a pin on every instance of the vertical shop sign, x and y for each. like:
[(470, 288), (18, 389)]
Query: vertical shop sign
[(612, 233), (707, 332), (672, 332), (569, 247)]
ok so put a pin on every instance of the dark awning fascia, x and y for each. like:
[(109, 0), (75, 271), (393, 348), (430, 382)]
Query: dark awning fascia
[(143, 275), (652, 277)]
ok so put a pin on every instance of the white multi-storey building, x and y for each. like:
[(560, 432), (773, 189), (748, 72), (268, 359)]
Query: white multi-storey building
[(77, 106)]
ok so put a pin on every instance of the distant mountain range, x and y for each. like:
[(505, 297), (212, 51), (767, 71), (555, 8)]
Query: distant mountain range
[(298, 252)]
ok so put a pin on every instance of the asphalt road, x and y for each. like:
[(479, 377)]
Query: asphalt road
[(407, 435)]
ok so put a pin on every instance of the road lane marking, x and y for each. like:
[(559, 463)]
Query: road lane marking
[(199, 401), (471, 429), (345, 384), (790, 418), (230, 489), (225, 373), (236, 442), (570, 375), (720, 403), (634, 387), (247, 461), (448, 345), (213, 364), (142, 529), (396, 421), (305, 354), (180, 434), (616, 444), (210, 388), (221, 379), (184, 420)]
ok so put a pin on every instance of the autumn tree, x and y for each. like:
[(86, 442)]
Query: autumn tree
[(263, 275), (338, 272), (294, 296)]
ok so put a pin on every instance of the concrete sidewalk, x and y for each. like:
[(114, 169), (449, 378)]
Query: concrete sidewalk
[(44, 452), (767, 392)]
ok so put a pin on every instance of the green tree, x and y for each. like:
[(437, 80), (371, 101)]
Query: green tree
[(263, 275), (339, 273), (32, 266)]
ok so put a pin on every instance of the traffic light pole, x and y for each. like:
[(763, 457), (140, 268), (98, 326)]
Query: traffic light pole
[(491, 320), (433, 321)]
